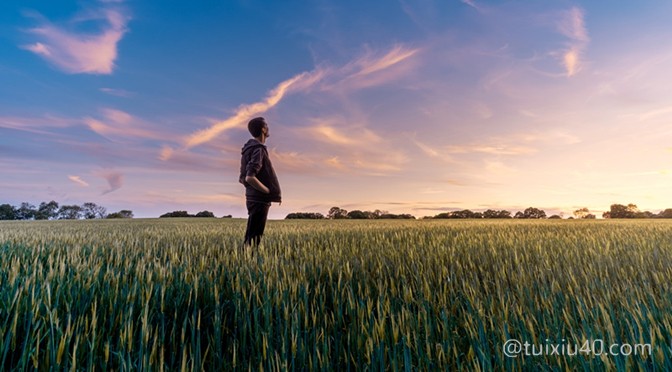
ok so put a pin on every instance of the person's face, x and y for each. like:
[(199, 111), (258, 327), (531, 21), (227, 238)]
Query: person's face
[(265, 131)]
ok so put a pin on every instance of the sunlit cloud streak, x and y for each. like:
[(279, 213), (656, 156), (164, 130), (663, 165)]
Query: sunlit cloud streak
[(246, 112), (373, 69), (512, 145), (333, 131), (322, 78), (78, 180), (81, 53), (572, 25), (369, 64), (120, 124)]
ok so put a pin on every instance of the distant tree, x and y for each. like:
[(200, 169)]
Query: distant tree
[(443, 215), (490, 213), (621, 211), (531, 213), (305, 216), (26, 211), (92, 210), (175, 214), (47, 211), (69, 212), (227, 216), (205, 214), (645, 214), (360, 215), (378, 213), (397, 216), (667, 213), (589, 216), (337, 213), (555, 217), (466, 213), (7, 212), (121, 214), (581, 213)]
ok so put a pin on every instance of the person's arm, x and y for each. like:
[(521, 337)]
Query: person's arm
[(254, 182)]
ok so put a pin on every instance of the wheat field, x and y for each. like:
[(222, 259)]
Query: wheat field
[(182, 294)]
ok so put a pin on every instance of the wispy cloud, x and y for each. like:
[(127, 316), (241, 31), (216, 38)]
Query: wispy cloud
[(246, 112), (344, 143), (117, 92), (513, 145), (116, 124), (370, 64), (494, 149), (334, 131), (572, 25), (374, 69), (78, 180), (471, 3), (38, 125), (655, 113), (363, 72), (115, 180), (77, 52)]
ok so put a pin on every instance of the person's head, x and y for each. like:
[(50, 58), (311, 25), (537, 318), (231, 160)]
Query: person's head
[(258, 128)]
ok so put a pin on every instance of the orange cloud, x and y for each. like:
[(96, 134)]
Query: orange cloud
[(330, 134)]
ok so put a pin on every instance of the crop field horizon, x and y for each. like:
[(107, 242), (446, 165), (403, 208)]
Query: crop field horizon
[(183, 294)]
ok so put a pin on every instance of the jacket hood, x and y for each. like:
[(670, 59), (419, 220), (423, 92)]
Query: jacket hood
[(251, 144)]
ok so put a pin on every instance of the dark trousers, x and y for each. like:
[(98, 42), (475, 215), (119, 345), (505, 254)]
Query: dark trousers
[(256, 221)]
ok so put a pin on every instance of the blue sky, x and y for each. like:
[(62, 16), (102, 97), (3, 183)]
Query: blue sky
[(407, 106)]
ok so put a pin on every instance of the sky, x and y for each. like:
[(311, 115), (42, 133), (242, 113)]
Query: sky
[(405, 106)]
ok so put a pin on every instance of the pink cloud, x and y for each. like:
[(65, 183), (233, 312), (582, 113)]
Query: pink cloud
[(81, 53), (114, 179)]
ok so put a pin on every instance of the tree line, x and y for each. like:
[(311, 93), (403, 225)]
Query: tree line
[(631, 211), (53, 211), (615, 211), (340, 213), (186, 214)]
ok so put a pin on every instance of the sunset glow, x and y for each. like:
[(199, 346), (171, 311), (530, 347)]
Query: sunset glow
[(404, 106)]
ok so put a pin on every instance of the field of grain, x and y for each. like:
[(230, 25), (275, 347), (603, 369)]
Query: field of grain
[(181, 294)]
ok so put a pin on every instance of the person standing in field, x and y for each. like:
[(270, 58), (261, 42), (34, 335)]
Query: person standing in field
[(258, 177)]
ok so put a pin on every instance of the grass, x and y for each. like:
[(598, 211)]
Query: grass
[(181, 294)]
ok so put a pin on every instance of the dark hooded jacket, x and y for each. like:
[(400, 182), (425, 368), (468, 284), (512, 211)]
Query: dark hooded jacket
[(255, 162)]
